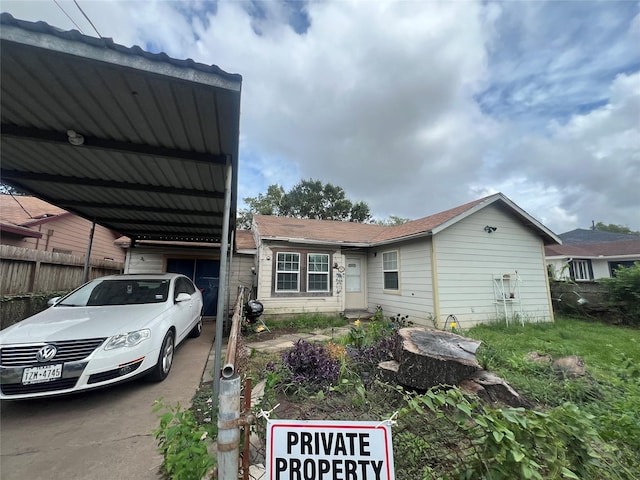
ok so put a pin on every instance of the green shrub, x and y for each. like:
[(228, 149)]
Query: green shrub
[(517, 443), (624, 291), (183, 443)]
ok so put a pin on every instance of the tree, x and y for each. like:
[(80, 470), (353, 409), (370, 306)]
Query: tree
[(307, 199), (393, 220), (10, 190), (611, 227), (267, 204)]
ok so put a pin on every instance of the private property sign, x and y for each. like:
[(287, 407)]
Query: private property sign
[(327, 450)]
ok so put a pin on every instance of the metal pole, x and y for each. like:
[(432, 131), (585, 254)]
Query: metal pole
[(229, 428), (220, 314), (231, 245), (85, 272)]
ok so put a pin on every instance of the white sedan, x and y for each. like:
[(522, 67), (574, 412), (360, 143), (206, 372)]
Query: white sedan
[(110, 330)]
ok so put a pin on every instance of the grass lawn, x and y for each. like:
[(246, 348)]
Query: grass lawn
[(587, 427)]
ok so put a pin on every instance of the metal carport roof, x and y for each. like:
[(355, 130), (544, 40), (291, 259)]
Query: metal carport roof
[(158, 133)]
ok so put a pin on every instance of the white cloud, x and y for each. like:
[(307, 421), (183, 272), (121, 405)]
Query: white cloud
[(415, 107)]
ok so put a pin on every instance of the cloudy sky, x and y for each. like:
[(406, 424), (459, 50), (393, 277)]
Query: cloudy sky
[(415, 106)]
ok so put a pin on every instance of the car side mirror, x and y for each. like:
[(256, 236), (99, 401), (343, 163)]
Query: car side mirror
[(183, 297), (53, 301)]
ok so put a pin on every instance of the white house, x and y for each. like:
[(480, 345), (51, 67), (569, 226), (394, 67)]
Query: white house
[(470, 264), (587, 255)]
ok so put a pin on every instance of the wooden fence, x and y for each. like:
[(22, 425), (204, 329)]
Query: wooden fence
[(24, 271)]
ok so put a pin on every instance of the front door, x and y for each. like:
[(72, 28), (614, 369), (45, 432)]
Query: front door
[(355, 298)]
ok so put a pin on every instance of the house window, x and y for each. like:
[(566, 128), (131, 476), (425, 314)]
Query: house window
[(318, 272), (288, 272), (390, 270), (613, 266), (581, 270)]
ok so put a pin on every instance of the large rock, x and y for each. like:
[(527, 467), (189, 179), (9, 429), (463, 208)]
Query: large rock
[(429, 357)]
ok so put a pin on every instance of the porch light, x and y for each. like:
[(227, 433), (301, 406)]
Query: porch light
[(490, 229)]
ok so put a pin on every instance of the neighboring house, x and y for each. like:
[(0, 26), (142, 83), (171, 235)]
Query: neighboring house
[(199, 261), (587, 255), (29, 222), (474, 263)]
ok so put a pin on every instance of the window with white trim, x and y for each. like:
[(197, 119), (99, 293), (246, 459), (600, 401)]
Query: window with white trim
[(581, 270), (390, 270), (318, 272), (288, 272)]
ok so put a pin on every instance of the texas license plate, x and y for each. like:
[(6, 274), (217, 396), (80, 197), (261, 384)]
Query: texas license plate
[(44, 373)]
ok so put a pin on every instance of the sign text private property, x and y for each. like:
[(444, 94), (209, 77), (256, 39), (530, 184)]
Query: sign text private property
[(327, 450)]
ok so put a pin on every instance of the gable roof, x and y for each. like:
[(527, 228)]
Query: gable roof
[(365, 235), (26, 210), (583, 235), (630, 248)]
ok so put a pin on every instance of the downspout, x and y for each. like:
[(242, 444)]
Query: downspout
[(224, 248), (85, 273), (434, 283)]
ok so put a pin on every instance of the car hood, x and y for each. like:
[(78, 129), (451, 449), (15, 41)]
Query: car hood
[(74, 323)]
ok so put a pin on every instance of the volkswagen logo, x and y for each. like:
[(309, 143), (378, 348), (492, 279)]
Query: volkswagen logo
[(46, 353)]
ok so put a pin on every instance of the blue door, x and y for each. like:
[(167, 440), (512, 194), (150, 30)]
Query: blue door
[(205, 274)]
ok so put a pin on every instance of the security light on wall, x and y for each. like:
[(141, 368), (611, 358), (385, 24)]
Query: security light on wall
[(75, 138), (490, 229)]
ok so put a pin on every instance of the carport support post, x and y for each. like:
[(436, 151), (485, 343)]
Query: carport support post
[(85, 272), (220, 313), (228, 441)]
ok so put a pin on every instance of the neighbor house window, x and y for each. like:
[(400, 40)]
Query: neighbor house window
[(581, 269), (288, 272), (390, 270), (318, 272), (613, 266)]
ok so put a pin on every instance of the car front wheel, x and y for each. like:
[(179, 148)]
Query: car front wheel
[(197, 330), (165, 359)]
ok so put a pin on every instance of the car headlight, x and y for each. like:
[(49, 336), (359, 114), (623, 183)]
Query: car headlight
[(130, 339)]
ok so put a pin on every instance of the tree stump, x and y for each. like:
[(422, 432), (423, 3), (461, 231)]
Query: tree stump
[(429, 357)]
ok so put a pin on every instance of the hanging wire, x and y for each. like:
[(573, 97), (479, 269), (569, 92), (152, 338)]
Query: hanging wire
[(87, 17), (68, 16), (21, 206)]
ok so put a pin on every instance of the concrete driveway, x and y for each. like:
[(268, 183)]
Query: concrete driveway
[(103, 434)]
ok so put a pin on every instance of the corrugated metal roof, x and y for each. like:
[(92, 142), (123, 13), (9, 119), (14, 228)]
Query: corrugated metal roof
[(158, 132)]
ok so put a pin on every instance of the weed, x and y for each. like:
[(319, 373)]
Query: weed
[(182, 442)]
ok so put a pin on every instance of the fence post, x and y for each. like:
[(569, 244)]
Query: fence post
[(229, 428)]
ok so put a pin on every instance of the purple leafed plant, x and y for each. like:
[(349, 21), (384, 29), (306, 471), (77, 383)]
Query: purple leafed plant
[(311, 363), (368, 358)]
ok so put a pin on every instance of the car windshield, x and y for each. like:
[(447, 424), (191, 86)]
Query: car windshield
[(118, 292)]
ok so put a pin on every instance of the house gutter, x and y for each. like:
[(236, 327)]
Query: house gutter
[(316, 242), (402, 239), (628, 256)]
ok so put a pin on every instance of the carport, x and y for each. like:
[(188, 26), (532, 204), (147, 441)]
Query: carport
[(140, 143)]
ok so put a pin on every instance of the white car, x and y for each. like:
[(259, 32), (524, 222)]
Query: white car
[(110, 330)]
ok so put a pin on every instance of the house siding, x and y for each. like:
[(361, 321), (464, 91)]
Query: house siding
[(280, 304), (70, 233), (415, 295), (468, 258)]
